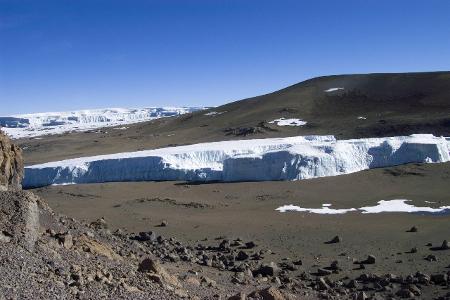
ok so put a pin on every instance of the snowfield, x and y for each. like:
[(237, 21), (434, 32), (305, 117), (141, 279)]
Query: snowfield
[(288, 122), (33, 125), (291, 158)]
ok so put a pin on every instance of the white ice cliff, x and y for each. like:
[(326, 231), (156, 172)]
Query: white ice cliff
[(32, 125), (291, 158)]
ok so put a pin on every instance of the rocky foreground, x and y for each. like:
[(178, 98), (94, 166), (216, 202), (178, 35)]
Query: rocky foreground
[(45, 255)]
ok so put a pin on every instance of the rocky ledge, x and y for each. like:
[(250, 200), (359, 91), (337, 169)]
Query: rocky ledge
[(11, 164)]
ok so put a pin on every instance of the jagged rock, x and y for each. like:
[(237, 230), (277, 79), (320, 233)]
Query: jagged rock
[(413, 229), (335, 266), (322, 284), (439, 278), (270, 269), (404, 293), (90, 245), (224, 245), (250, 245), (99, 224), (19, 217), (431, 257), (360, 296), (157, 272), (11, 165), (323, 272), (5, 237), (445, 245), (192, 280), (335, 240), (207, 281), (414, 289), (370, 260), (242, 256), (239, 296), (65, 239), (147, 236), (267, 294)]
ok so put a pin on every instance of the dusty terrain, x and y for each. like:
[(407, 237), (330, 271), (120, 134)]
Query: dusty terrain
[(202, 213)]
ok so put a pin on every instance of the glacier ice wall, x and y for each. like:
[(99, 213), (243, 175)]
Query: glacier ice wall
[(33, 125), (292, 158)]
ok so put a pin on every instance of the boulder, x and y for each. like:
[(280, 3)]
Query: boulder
[(265, 270), (157, 272), (267, 294), (19, 218)]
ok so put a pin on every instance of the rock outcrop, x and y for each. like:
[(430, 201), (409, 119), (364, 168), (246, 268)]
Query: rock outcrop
[(11, 165)]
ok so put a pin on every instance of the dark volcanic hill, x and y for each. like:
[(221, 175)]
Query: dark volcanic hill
[(366, 105)]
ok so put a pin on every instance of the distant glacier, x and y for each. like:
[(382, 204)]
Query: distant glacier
[(291, 158), (38, 124)]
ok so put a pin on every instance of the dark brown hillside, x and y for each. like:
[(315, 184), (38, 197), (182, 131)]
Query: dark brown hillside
[(369, 105)]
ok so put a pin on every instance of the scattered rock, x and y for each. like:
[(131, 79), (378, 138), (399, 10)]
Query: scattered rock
[(242, 256), (335, 240), (99, 224), (207, 281), (267, 294), (360, 296), (431, 257), (160, 274), (270, 269), (413, 229), (370, 260), (149, 236), (65, 239), (322, 284), (92, 246), (250, 245), (404, 293), (439, 278), (323, 272)]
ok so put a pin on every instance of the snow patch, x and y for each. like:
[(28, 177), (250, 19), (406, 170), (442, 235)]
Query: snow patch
[(214, 113), (399, 205), (32, 125), (396, 205), (325, 210), (330, 90), (291, 158), (288, 122), (362, 118)]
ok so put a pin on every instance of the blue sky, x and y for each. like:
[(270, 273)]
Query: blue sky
[(64, 55)]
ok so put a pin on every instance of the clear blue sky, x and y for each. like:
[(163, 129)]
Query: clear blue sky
[(63, 55)]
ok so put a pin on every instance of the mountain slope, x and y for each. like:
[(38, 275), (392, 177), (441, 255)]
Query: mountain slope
[(347, 106)]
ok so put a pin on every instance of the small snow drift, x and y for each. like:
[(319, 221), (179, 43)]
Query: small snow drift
[(288, 122), (291, 158), (330, 90), (324, 210), (214, 113), (400, 205), (32, 125), (397, 205)]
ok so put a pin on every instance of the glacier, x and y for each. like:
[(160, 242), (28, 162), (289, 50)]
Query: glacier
[(38, 124), (290, 158)]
